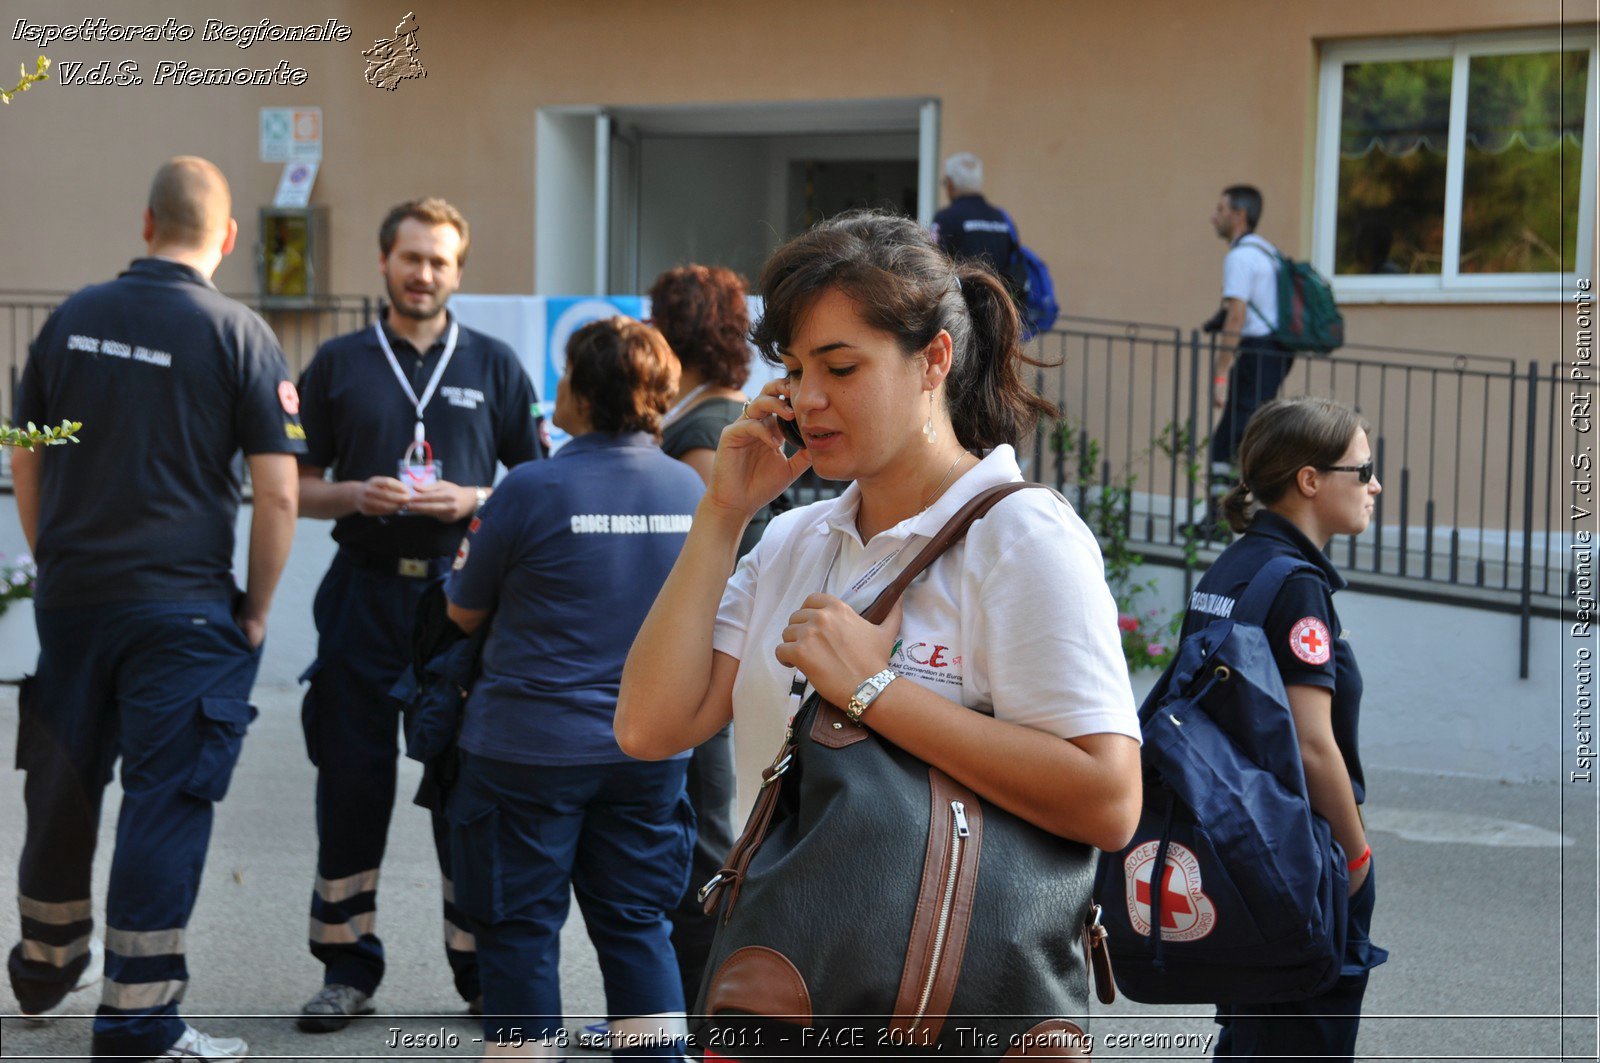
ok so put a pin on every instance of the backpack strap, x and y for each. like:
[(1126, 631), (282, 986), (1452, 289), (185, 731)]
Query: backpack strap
[(1278, 264), (954, 531), (1264, 587)]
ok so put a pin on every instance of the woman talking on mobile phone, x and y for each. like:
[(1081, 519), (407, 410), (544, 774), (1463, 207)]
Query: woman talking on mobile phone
[(1001, 665)]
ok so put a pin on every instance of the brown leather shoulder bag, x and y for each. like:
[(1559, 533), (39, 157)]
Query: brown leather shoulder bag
[(874, 901)]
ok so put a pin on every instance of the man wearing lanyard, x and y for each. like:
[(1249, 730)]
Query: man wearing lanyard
[(410, 416)]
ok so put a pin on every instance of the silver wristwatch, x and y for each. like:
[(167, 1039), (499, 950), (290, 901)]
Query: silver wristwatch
[(868, 692), (482, 494)]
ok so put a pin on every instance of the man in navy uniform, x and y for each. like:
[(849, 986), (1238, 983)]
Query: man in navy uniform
[(409, 417), (147, 649), (971, 227)]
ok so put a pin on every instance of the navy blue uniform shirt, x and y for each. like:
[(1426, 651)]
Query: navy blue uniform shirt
[(1302, 626), (570, 554), (171, 379), (971, 228), (359, 423)]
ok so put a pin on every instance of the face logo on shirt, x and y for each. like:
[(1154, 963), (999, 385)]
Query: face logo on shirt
[(461, 554), (1309, 640), (927, 660), (289, 398)]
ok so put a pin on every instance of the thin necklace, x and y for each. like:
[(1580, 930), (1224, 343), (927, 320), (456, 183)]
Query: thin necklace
[(930, 499)]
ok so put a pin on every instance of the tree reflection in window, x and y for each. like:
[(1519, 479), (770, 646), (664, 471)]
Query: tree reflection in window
[(1523, 162), (1521, 172), (1393, 144)]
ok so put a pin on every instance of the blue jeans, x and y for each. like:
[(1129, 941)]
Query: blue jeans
[(619, 836), (165, 687)]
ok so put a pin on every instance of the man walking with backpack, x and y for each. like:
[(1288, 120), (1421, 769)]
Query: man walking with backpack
[(1251, 363), (973, 228)]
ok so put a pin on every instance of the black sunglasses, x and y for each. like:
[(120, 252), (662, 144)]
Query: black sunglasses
[(1363, 472)]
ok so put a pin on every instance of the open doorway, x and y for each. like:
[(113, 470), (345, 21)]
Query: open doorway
[(626, 192)]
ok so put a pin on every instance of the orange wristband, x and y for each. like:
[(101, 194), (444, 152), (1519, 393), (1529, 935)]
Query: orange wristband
[(1359, 862)]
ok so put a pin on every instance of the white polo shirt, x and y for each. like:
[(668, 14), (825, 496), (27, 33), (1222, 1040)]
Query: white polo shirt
[(1016, 621), (1250, 275)]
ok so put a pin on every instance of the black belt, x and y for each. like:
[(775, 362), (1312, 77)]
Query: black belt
[(409, 567)]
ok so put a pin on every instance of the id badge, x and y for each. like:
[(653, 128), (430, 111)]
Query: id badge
[(420, 474), (419, 468)]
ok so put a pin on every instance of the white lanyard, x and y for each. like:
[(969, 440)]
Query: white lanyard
[(399, 374), (679, 406)]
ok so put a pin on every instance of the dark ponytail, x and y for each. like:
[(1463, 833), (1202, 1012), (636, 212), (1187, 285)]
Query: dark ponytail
[(906, 286), (989, 401)]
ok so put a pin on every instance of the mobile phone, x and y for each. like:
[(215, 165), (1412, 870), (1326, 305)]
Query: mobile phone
[(791, 432), (791, 429)]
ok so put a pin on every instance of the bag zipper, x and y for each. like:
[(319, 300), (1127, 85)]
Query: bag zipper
[(958, 813)]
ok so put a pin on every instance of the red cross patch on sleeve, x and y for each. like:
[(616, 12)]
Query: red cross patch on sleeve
[(1310, 641), (288, 398)]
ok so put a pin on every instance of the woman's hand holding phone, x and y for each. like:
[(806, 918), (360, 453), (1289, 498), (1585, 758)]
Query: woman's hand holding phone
[(750, 468)]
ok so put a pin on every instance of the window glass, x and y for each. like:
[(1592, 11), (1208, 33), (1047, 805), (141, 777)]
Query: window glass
[(1393, 131), (1523, 166)]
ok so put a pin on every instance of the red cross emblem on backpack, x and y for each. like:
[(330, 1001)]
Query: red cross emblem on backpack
[(1187, 914)]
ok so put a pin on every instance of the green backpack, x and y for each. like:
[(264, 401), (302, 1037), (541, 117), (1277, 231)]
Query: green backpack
[(1308, 318)]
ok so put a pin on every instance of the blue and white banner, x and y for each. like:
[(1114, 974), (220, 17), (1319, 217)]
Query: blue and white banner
[(538, 327)]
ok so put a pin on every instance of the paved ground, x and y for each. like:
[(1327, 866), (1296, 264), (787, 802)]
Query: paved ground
[(1490, 919)]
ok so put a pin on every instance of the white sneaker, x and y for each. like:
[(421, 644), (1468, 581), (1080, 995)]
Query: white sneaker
[(74, 1002), (196, 1045)]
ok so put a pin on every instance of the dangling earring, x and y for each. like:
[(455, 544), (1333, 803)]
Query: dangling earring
[(928, 429)]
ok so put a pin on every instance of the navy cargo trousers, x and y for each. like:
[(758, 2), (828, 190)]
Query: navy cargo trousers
[(165, 687), (364, 620)]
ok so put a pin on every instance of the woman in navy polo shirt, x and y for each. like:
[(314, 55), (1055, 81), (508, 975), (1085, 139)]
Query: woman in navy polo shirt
[(567, 556), (1307, 476)]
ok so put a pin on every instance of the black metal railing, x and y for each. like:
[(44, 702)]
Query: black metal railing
[(1467, 448), (1471, 449), (300, 330)]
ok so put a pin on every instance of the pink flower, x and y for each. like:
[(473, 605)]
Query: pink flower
[(1128, 623), (1156, 649)]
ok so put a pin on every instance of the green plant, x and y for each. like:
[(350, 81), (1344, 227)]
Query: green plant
[(17, 580), (31, 435), (27, 79)]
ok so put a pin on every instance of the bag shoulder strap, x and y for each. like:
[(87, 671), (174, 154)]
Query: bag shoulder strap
[(1280, 263), (1264, 587), (954, 530)]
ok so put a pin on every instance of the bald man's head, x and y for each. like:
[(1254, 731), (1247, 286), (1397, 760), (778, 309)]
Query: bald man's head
[(190, 205)]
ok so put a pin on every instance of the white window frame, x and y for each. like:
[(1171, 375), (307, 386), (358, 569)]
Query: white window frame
[(1450, 285)]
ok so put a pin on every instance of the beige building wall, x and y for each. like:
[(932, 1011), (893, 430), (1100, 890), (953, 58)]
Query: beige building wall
[(1107, 128)]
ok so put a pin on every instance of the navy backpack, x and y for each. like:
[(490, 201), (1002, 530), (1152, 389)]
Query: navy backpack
[(1035, 288), (1250, 899)]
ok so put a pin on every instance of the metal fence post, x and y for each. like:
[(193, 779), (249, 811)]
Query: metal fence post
[(1193, 453), (1528, 475)]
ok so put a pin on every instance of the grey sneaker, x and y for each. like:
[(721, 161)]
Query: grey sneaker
[(332, 1009), (196, 1045), (74, 1002)]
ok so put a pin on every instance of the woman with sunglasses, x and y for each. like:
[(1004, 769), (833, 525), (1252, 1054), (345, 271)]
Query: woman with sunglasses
[(1306, 476)]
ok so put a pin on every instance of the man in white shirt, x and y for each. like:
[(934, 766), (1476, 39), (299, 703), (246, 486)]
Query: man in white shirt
[(1250, 364)]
